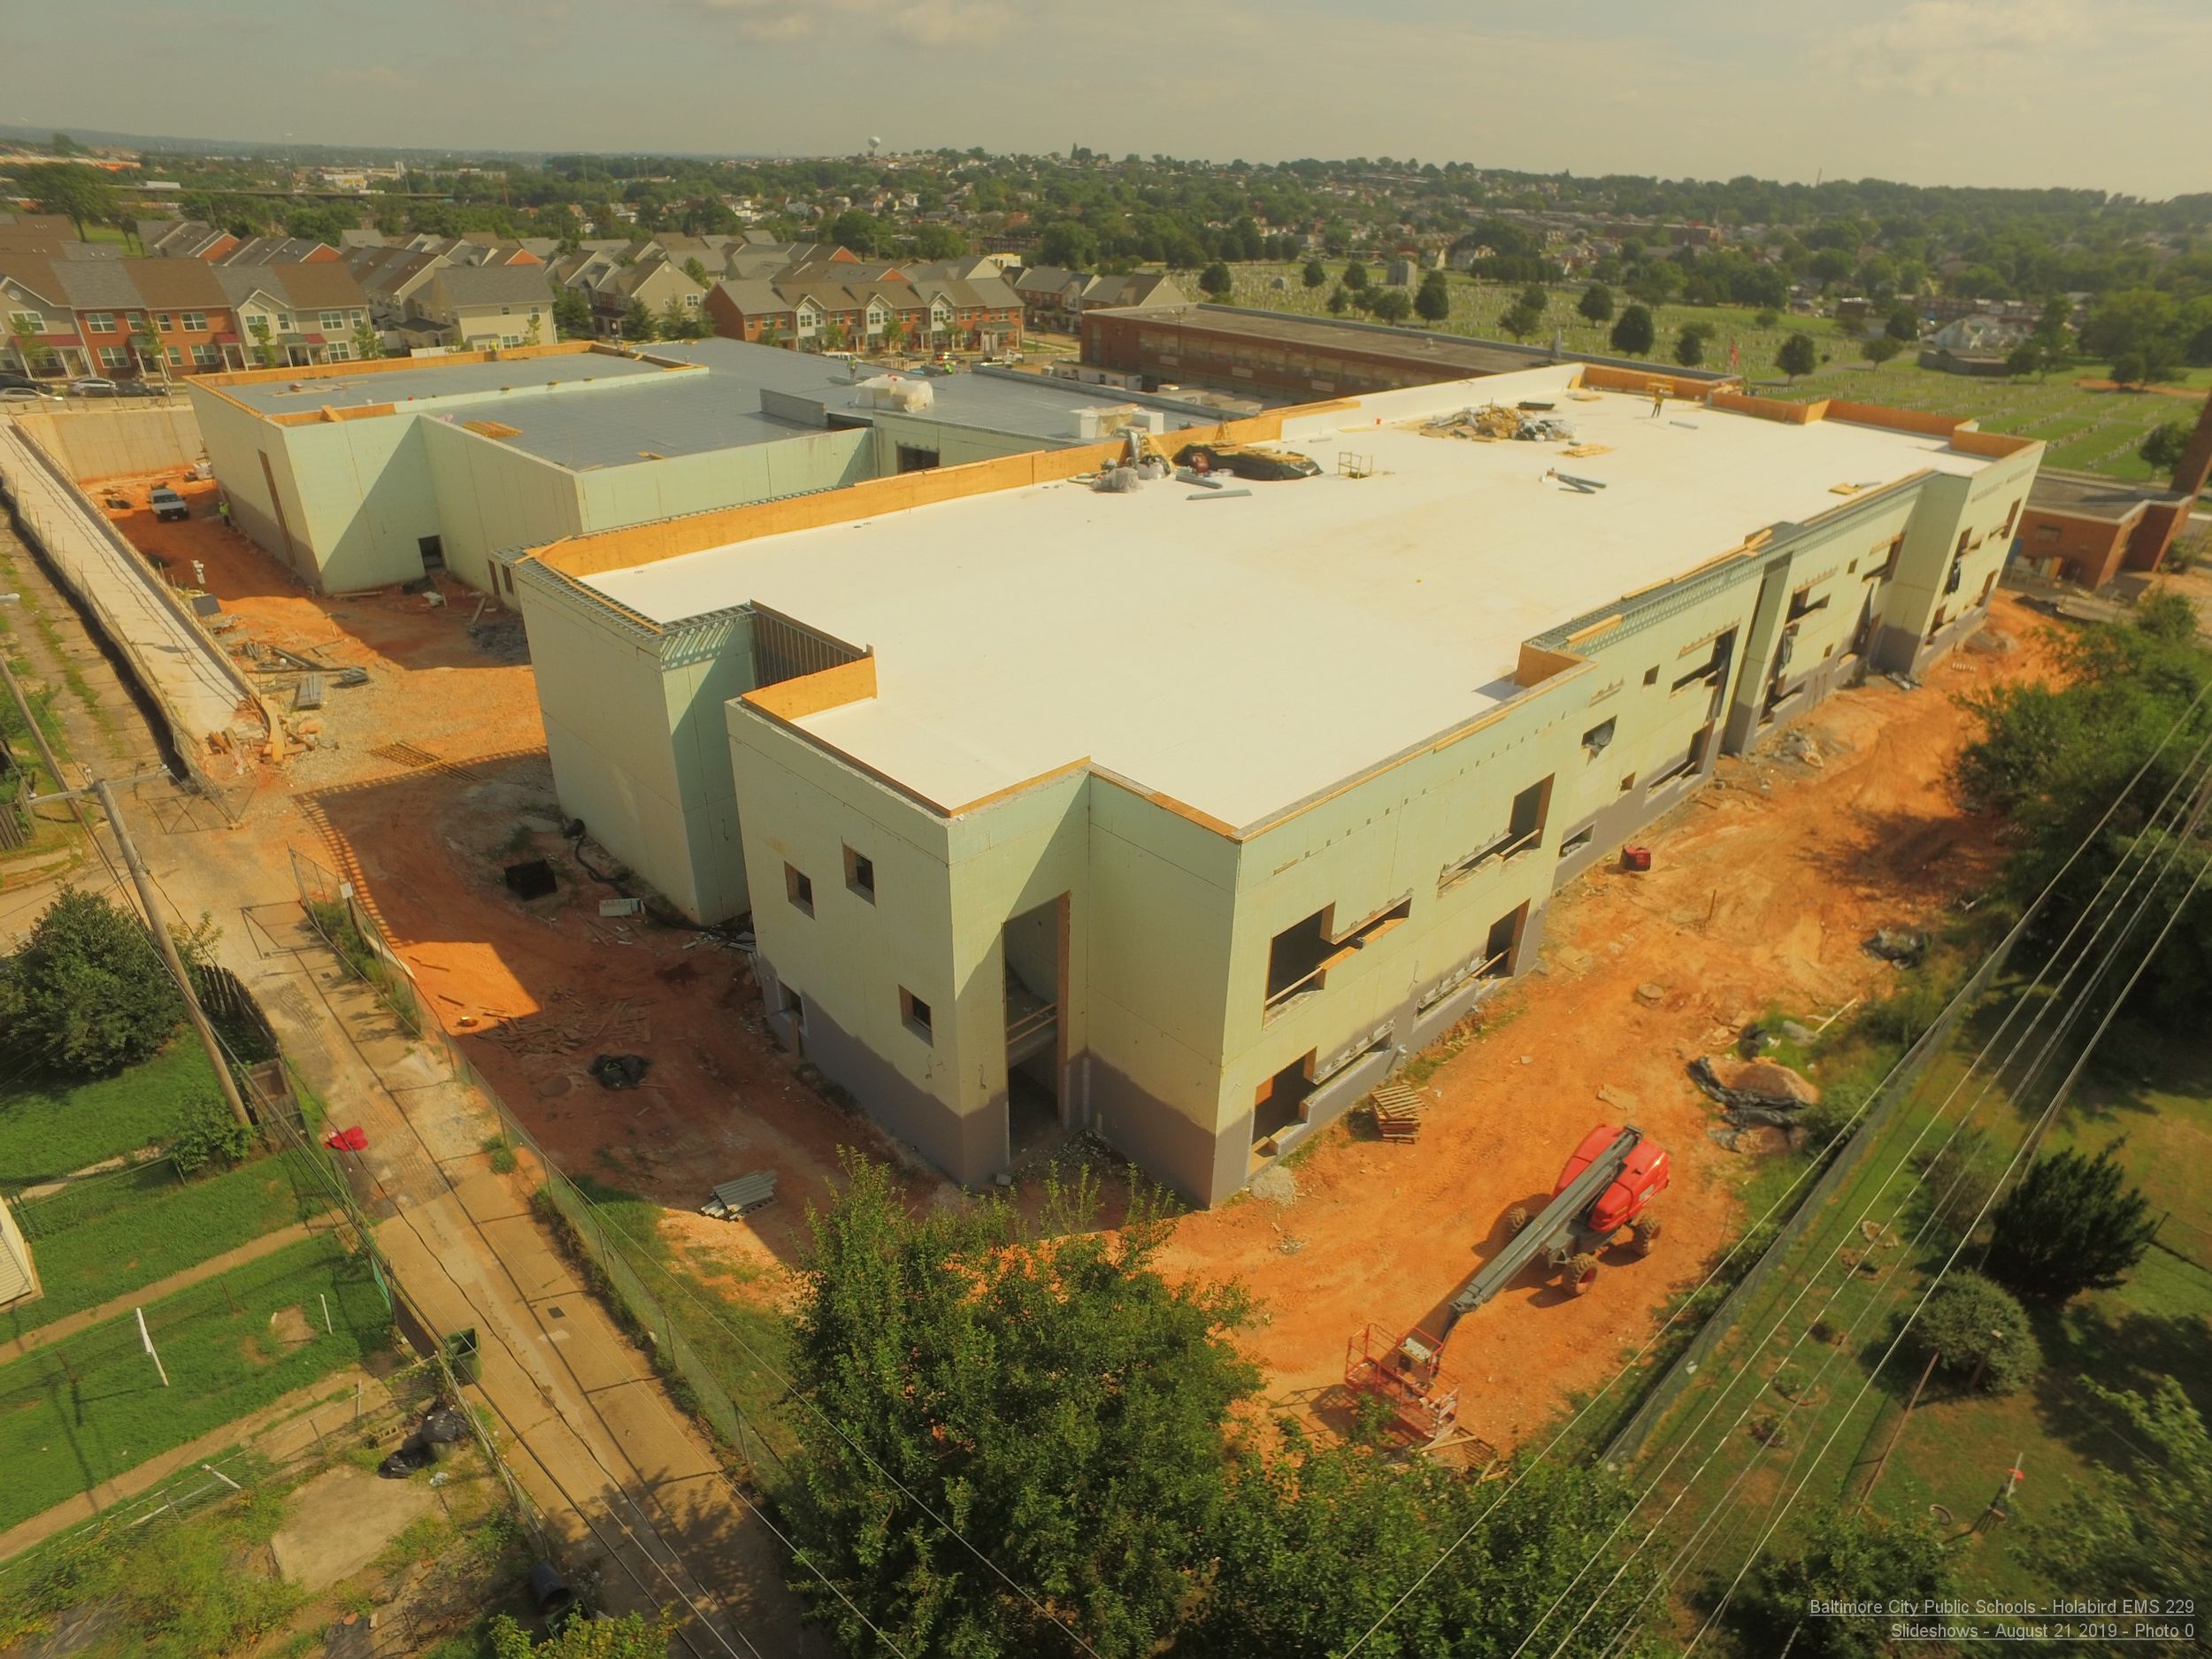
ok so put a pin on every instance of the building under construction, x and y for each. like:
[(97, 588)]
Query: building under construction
[(1183, 812)]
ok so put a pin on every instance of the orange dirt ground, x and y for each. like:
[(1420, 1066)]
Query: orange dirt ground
[(1761, 894)]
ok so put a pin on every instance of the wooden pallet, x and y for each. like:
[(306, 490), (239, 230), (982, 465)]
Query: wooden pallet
[(1397, 1112)]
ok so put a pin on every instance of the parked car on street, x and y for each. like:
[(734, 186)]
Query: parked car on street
[(137, 389), (168, 505), (20, 394), (92, 385)]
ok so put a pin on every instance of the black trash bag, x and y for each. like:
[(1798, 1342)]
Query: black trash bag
[(414, 1453), (444, 1425), (619, 1071)]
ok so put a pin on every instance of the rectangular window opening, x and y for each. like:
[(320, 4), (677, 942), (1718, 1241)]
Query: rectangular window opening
[(1298, 958), (915, 1015), (1599, 736), (1651, 675), (1523, 832), (799, 889), (1278, 1103), (860, 874), (1577, 841)]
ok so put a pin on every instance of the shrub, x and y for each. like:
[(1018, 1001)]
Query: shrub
[(88, 996), (206, 1132), (1981, 1333), (2069, 1227)]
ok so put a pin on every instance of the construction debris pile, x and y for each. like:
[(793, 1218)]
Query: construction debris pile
[(1757, 1098), (1530, 422), (560, 1029)]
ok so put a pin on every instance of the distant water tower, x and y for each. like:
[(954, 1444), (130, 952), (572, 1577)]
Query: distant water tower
[(874, 144)]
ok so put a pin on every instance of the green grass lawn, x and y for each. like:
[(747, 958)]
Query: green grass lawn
[(91, 1407), (50, 1127), (727, 1332), (105, 1238), (1957, 1448), (2088, 431)]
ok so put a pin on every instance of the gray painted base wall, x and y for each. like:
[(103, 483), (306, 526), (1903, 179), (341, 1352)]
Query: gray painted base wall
[(966, 1149)]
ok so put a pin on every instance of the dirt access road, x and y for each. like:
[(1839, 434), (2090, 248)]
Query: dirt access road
[(1763, 891)]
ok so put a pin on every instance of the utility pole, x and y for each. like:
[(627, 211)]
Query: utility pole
[(168, 949), (144, 883), (1876, 1479)]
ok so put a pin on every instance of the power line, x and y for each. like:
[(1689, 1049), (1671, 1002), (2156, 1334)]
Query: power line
[(2012, 937), (2058, 1099), (1935, 1211)]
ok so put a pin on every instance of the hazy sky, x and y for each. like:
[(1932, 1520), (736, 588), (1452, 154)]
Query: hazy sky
[(2105, 93)]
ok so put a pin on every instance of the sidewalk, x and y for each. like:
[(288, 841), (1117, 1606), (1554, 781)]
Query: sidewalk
[(620, 1474)]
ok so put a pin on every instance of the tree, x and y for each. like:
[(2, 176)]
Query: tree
[(1355, 276), (678, 322), (146, 346), (2130, 368), (1315, 1546), (1981, 1333), (895, 334), (1881, 349), (2021, 359), (87, 994), (1689, 345), (2162, 445), (265, 345), (856, 230), (1596, 304), (1766, 318), (1338, 300), (1845, 1556), (1046, 1384), (571, 313), (84, 195), (2071, 1225), (2152, 1530), (696, 272), (939, 241), (1634, 333), (637, 322), (1392, 305), (369, 343), (1215, 280), (33, 353), (1314, 275), (1903, 326), (1519, 321), (1067, 244), (1433, 299), (1534, 298), (1797, 356), (632, 1636)]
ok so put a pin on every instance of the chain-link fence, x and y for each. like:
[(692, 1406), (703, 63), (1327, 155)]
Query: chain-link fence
[(1898, 1088), (666, 1316)]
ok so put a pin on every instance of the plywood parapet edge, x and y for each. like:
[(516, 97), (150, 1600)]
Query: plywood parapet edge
[(793, 700)]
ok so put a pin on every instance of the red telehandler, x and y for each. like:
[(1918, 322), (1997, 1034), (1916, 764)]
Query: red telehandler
[(1608, 1185)]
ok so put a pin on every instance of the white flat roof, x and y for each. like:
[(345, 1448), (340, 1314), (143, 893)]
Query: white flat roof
[(1241, 653)]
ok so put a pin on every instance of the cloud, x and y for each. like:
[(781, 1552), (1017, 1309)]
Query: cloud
[(1932, 47), (934, 23)]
